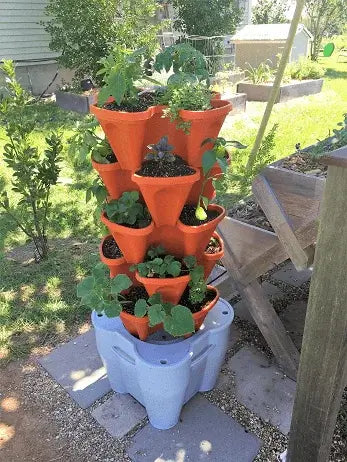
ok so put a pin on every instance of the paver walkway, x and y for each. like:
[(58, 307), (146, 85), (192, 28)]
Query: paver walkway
[(239, 421)]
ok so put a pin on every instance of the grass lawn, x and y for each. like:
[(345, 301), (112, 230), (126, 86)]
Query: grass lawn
[(38, 304)]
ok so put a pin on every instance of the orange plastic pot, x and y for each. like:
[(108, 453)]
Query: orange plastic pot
[(210, 259), (138, 326), (216, 95), (200, 316), (165, 197), (132, 242), (125, 132), (196, 238), (115, 265), (171, 289), (204, 124), (115, 179)]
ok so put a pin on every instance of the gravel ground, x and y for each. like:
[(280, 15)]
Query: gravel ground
[(78, 437)]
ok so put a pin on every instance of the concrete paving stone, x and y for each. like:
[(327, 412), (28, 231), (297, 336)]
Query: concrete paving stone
[(119, 414), (263, 388), (234, 335), (291, 276), (204, 433), (293, 319), (77, 367)]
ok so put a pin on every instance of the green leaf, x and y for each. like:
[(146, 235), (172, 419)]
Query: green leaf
[(200, 213), (85, 286), (189, 261), (119, 283), (174, 268), (93, 300), (140, 308), (223, 164), (208, 160), (112, 309), (155, 299), (180, 322), (236, 144), (205, 201), (100, 272), (117, 85), (155, 314)]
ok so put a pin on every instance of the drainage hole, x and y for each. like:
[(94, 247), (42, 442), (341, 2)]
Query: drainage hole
[(99, 315), (164, 337), (225, 312), (163, 361)]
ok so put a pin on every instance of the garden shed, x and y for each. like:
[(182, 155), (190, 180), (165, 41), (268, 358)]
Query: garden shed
[(255, 43), (23, 39)]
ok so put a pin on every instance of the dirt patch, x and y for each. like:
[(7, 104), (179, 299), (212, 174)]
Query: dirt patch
[(305, 163), (250, 212)]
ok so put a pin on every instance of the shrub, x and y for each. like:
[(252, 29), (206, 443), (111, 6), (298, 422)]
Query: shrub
[(34, 173), (261, 74), (304, 69), (84, 31)]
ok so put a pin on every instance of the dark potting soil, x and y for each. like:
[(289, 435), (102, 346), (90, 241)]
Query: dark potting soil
[(110, 249), (305, 163), (143, 102), (165, 169), (188, 217), (251, 213), (195, 308), (135, 293), (111, 158), (213, 246)]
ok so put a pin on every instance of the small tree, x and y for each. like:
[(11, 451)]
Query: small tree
[(270, 12), (84, 31), (324, 17), (34, 173), (207, 17)]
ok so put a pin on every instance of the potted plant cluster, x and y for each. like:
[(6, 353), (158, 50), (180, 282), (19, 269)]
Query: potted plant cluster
[(162, 242)]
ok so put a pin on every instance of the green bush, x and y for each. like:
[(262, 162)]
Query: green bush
[(261, 74), (304, 69), (86, 31)]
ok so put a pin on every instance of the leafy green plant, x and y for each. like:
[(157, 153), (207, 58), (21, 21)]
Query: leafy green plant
[(270, 12), (177, 319), (34, 172), (161, 151), (101, 293), (99, 192), (85, 31), (105, 295), (187, 63), (304, 69), (121, 69), (127, 210), (261, 74), (189, 96), (217, 154)]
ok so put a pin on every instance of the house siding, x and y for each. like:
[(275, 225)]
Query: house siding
[(256, 53), (22, 38)]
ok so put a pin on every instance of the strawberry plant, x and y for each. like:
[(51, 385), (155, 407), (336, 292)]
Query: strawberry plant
[(127, 210)]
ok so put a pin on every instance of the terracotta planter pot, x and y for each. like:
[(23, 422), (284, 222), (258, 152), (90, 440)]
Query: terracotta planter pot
[(200, 316), (196, 238), (165, 197), (216, 95), (210, 259), (171, 289), (204, 124), (125, 132), (133, 242), (138, 326), (116, 265), (115, 179)]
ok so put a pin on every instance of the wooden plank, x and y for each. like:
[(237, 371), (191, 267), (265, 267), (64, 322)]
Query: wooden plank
[(337, 157), (323, 366), (262, 311), (279, 221)]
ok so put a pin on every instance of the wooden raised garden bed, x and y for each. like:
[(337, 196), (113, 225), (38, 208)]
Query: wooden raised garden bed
[(261, 92)]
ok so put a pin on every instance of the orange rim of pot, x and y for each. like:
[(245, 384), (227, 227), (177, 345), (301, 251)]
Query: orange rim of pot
[(171, 289), (109, 261), (138, 326), (105, 167), (218, 255), (163, 180), (111, 116), (201, 315), (199, 228), (219, 107)]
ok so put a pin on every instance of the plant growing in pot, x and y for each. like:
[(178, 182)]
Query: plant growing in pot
[(165, 178), (130, 223), (112, 257), (123, 108)]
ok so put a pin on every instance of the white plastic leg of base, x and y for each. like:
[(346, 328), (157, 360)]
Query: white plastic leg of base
[(163, 375)]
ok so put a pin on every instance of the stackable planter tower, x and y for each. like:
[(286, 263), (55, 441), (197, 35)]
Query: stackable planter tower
[(160, 371)]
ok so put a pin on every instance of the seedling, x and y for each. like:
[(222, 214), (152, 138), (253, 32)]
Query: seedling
[(161, 151)]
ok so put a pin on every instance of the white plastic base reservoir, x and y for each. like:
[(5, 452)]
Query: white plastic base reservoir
[(163, 373)]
